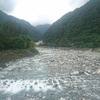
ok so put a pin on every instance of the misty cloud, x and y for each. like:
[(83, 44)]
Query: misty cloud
[(7, 5), (77, 3), (40, 11)]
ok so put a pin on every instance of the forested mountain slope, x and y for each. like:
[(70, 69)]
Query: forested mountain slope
[(16, 33), (79, 28), (43, 28), (19, 26)]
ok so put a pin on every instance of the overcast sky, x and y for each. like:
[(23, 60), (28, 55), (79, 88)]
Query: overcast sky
[(39, 11)]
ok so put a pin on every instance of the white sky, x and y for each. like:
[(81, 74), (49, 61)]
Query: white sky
[(41, 11)]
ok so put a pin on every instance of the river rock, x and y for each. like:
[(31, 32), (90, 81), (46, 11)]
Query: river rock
[(75, 73)]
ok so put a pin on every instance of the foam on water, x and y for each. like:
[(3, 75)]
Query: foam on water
[(15, 86)]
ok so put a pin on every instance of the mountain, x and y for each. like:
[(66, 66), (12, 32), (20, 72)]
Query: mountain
[(22, 26), (79, 28), (43, 28)]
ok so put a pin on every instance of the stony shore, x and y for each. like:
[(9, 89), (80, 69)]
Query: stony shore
[(10, 55), (53, 74)]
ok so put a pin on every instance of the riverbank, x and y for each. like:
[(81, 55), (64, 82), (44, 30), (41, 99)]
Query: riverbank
[(9, 55), (53, 74), (73, 48)]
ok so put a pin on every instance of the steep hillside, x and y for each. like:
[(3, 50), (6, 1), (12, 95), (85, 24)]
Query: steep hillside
[(43, 28), (24, 26), (80, 28)]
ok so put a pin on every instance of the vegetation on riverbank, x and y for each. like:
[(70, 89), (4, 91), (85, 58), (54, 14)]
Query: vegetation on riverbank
[(13, 40), (14, 45), (10, 55)]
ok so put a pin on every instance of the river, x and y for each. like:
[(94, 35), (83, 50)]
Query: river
[(53, 74)]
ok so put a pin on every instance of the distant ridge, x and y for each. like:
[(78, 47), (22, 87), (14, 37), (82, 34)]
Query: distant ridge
[(43, 28)]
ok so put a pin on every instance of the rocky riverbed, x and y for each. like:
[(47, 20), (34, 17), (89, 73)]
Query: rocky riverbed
[(53, 74)]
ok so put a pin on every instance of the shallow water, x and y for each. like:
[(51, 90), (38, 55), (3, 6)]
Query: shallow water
[(54, 74)]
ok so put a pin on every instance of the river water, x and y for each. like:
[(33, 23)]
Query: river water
[(53, 74)]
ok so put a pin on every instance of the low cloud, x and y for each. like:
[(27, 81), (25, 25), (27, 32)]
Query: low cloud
[(40, 11), (77, 3), (7, 5)]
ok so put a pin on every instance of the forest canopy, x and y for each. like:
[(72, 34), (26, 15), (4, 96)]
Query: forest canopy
[(12, 36)]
